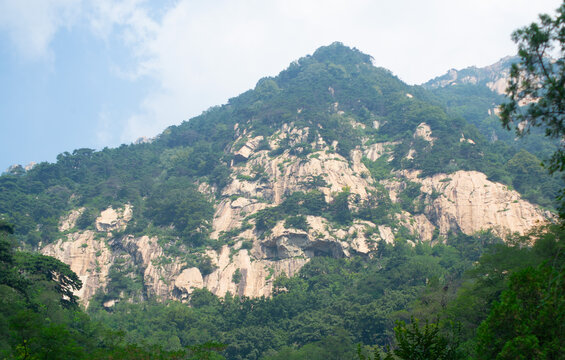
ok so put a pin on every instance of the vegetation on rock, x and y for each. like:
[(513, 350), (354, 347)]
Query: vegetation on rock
[(467, 296)]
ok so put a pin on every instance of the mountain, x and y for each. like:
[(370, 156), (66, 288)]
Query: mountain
[(333, 157), (475, 94), (495, 77)]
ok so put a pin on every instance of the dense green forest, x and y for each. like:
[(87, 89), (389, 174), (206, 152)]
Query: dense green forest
[(477, 295), (472, 296), (334, 304)]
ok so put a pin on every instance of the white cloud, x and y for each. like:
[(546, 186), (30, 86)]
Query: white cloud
[(32, 24), (203, 53), (200, 53)]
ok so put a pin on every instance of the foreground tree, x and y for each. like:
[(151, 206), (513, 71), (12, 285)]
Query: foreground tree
[(529, 320), (536, 89), (415, 342)]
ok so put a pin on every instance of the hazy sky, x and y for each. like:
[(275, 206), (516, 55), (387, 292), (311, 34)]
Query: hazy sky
[(78, 73)]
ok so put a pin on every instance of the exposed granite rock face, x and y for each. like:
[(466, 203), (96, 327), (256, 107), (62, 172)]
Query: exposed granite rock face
[(230, 213), (257, 276), (466, 200), (498, 86), (419, 225), (149, 259), (495, 76), (68, 222), (88, 256), (463, 201), (320, 239), (188, 280), (247, 149), (375, 151), (425, 132), (114, 219)]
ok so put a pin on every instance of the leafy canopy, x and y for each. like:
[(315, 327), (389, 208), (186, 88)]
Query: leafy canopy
[(536, 89)]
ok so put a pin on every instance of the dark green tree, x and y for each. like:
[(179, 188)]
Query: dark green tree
[(427, 342), (536, 89), (339, 208), (415, 342), (63, 280), (529, 320)]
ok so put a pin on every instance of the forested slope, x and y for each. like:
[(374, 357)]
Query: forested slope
[(303, 217)]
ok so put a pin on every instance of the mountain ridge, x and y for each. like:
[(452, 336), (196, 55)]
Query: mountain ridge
[(494, 76), (329, 158)]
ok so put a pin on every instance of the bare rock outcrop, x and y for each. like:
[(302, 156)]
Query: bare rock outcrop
[(114, 219), (149, 257), (463, 201), (468, 201), (255, 276), (247, 148), (188, 280), (69, 221), (88, 256), (419, 225), (424, 131), (375, 151)]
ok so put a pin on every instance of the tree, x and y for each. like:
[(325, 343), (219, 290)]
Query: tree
[(414, 342), (339, 208), (529, 320), (536, 88), (36, 268)]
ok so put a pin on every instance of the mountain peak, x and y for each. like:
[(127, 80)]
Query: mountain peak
[(339, 53)]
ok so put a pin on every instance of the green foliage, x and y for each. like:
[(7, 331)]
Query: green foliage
[(529, 320), (380, 169), (538, 79), (338, 346), (530, 179), (330, 305), (296, 222), (526, 321), (339, 208), (246, 245), (86, 219), (152, 176), (178, 203), (414, 342), (409, 196), (472, 102), (239, 144), (39, 318), (267, 218), (315, 181), (236, 277), (377, 208), (467, 297), (35, 268), (205, 265), (124, 281), (207, 351), (293, 209)]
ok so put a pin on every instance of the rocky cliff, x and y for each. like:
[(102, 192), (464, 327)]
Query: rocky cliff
[(247, 265), (495, 76), (332, 157)]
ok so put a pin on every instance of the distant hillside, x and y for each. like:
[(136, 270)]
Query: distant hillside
[(494, 77), (329, 158), (474, 94)]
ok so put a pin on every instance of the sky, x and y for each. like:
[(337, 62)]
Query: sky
[(99, 73)]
